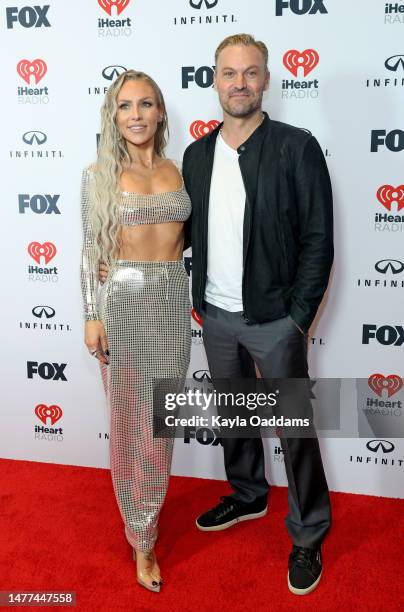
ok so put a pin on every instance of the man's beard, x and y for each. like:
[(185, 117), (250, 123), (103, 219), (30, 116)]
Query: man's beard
[(242, 111)]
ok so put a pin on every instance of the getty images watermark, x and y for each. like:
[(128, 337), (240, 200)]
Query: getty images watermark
[(205, 401), (293, 407), (237, 407)]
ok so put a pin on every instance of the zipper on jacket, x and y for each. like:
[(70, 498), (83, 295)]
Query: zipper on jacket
[(248, 209), (209, 161), (245, 314), (204, 239)]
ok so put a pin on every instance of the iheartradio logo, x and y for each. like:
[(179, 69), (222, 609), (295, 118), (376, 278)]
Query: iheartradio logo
[(35, 69), (47, 250), (378, 383), (307, 59), (199, 128), (387, 195), (196, 317), (107, 5), (44, 412)]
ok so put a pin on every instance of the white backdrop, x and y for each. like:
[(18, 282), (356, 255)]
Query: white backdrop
[(350, 98)]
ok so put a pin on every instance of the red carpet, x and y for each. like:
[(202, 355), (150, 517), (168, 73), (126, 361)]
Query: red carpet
[(60, 530)]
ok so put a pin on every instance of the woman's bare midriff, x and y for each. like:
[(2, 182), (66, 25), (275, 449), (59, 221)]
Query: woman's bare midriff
[(156, 242)]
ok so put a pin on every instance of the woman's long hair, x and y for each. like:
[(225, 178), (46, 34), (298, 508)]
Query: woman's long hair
[(112, 155)]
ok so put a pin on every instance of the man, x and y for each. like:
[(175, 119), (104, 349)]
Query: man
[(262, 250)]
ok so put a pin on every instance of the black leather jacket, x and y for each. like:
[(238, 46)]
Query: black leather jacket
[(288, 221)]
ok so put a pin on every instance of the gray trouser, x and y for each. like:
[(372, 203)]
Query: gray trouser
[(279, 349)]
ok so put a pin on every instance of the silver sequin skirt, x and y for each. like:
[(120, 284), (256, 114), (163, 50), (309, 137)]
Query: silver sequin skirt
[(146, 309)]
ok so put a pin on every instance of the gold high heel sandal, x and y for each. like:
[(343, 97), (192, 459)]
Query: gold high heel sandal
[(154, 587)]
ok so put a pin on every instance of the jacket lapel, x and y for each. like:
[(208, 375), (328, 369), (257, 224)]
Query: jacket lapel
[(210, 144)]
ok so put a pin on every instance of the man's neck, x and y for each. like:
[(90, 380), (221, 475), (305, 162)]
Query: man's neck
[(236, 130)]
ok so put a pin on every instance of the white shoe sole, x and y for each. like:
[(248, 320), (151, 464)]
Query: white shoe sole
[(245, 517), (309, 589)]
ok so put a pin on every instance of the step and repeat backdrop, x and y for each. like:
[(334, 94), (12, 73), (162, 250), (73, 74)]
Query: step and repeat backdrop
[(337, 69)]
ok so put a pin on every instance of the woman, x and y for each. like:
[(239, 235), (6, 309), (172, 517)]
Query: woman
[(134, 205)]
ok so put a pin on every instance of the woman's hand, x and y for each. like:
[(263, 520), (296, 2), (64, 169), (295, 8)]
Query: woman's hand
[(96, 341), (102, 272)]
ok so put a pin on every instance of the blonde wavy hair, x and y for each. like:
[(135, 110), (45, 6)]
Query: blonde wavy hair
[(112, 155)]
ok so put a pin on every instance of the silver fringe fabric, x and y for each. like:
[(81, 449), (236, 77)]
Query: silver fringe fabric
[(145, 308)]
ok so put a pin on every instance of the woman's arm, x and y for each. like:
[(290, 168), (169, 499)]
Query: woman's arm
[(95, 336), (89, 260)]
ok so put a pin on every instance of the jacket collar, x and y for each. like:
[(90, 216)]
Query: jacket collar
[(255, 139)]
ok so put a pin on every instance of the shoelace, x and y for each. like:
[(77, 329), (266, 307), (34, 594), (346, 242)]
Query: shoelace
[(226, 505), (302, 556)]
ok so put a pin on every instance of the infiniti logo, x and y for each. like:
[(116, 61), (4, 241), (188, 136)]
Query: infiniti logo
[(34, 136), (202, 375), (393, 265), (196, 4), (203, 14), (112, 72), (392, 63), (376, 445), (41, 311)]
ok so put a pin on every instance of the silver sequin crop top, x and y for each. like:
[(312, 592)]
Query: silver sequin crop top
[(143, 209), (135, 209)]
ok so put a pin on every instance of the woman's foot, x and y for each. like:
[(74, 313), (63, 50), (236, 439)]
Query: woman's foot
[(147, 570)]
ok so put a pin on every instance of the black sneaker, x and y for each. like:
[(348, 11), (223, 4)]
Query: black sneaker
[(229, 512), (305, 569)]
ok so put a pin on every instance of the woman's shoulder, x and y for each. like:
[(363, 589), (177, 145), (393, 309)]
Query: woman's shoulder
[(176, 163), (88, 172), (90, 169)]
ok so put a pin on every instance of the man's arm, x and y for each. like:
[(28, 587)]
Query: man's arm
[(315, 211)]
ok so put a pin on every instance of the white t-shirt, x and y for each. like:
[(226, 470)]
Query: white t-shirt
[(225, 230)]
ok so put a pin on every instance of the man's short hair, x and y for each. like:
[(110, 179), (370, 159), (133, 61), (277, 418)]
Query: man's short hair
[(246, 40)]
